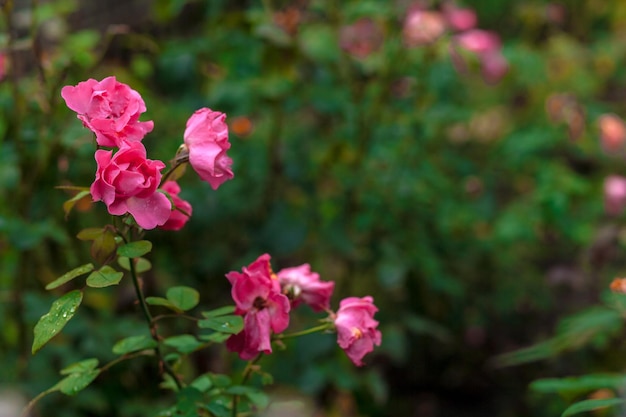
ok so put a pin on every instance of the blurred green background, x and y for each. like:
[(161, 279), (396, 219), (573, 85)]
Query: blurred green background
[(472, 211)]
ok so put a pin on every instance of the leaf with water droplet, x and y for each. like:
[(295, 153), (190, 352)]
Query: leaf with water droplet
[(51, 323), (185, 298), (68, 276), (104, 277), (230, 324), (73, 383), (135, 249)]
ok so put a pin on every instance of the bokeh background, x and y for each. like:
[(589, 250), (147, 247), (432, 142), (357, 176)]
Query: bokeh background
[(454, 171)]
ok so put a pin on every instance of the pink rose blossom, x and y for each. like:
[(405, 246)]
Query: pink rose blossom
[(422, 27), (181, 211), (264, 308), (361, 38), (356, 328), (110, 109), (486, 47), (126, 182), (478, 41), (614, 195), (459, 19), (303, 286), (612, 132), (206, 138)]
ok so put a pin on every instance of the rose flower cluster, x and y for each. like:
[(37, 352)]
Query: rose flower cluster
[(264, 299), (130, 183), (126, 180)]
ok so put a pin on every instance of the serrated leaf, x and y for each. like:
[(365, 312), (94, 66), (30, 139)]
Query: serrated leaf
[(80, 367), (69, 204), (68, 276), (135, 249), (225, 324), (141, 264), (76, 382), (185, 298), (104, 246), (51, 323), (219, 311), (90, 233), (134, 344), (160, 301), (184, 343), (104, 277), (589, 405)]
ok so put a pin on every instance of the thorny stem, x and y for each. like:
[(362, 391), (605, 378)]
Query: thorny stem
[(153, 330), (247, 372)]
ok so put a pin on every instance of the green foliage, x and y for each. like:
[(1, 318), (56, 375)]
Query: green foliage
[(590, 405), (51, 323)]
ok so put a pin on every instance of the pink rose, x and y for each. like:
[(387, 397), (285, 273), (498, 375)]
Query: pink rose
[(614, 194), (181, 211), (458, 18), (486, 47), (264, 308), (110, 109), (356, 327), (206, 138), (126, 182), (478, 41), (422, 27), (612, 132), (303, 286)]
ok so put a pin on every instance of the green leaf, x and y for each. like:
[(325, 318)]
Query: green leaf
[(104, 277), (160, 301), (51, 323), (578, 385), (187, 401), (91, 233), (141, 264), (185, 298), (73, 383), (80, 367), (225, 324), (104, 246), (184, 343), (589, 405), (69, 204), (219, 311), (134, 344), (202, 383), (68, 276), (216, 337), (135, 249)]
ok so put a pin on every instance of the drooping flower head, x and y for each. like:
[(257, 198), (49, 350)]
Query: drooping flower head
[(264, 308), (110, 109), (303, 286), (357, 332), (181, 209), (206, 138), (126, 182)]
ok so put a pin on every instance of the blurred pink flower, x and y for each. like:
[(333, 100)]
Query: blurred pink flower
[(110, 109), (494, 67), (126, 182), (612, 132), (422, 27), (303, 286), (181, 210), (361, 38), (206, 138), (486, 47), (3, 66), (478, 41), (459, 19), (357, 332), (614, 194), (265, 309)]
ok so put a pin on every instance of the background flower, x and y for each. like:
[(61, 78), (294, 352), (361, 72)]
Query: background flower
[(356, 328)]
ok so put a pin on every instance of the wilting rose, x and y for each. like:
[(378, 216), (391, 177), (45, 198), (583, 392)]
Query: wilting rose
[(110, 109), (302, 285), (357, 332)]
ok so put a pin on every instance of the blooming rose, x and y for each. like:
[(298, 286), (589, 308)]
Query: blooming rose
[(356, 327), (126, 182), (206, 138), (181, 210), (110, 109), (614, 194), (305, 286), (257, 296)]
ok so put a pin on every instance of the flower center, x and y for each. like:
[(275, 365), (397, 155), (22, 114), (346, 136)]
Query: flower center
[(259, 303), (357, 333)]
